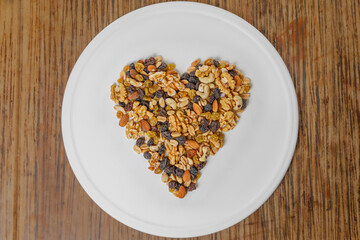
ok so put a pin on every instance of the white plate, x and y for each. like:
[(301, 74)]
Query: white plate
[(238, 179)]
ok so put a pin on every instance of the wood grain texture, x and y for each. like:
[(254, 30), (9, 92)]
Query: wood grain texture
[(319, 197)]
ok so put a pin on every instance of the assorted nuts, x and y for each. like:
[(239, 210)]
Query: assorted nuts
[(178, 120)]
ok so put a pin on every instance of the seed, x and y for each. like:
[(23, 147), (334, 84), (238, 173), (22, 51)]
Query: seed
[(197, 108), (134, 95), (215, 106), (164, 177), (133, 73), (145, 125), (186, 176), (193, 144), (124, 120), (181, 192)]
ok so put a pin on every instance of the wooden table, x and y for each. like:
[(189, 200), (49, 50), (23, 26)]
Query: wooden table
[(319, 197)]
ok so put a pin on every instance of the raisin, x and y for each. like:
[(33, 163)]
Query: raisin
[(212, 99), (199, 65), (132, 65), (159, 93), (190, 105), (197, 85), (179, 172), (167, 135), (207, 108), (232, 73), (192, 74), (163, 112), (152, 61), (204, 129), (128, 73), (192, 176), (162, 66), (165, 126), (181, 140), (145, 77), (216, 63), (190, 85), (173, 184), (140, 141), (194, 170), (153, 95), (145, 103), (214, 126), (170, 170), (192, 187), (244, 104), (147, 155), (150, 142), (196, 99), (217, 93), (131, 89), (164, 163), (185, 76), (147, 71), (201, 165), (178, 185), (162, 149), (122, 104), (128, 106), (193, 79), (204, 122)]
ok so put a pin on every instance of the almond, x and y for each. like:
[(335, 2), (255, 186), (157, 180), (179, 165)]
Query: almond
[(186, 176), (124, 120), (193, 144), (181, 193), (238, 81), (134, 95), (133, 73), (151, 68), (197, 108), (191, 153), (215, 106), (145, 125)]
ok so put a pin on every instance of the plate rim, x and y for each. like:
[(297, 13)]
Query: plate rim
[(132, 221)]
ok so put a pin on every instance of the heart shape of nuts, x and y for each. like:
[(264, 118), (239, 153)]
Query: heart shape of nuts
[(179, 121)]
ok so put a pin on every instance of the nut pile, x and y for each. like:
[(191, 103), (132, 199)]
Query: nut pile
[(178, 121)]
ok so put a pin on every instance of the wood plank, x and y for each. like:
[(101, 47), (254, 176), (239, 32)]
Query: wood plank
[(9, 93), (40, 197)]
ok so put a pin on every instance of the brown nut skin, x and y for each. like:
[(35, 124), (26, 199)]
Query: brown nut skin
[(193, 144), (197, 108), (133, 73), (186, 176), (191, 153), (151, 68), (124, 120), (215, 106), (181, 192), (145, 125), (134, 95)]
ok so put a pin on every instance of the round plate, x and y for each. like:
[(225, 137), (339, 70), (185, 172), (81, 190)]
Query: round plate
[(238, 179)]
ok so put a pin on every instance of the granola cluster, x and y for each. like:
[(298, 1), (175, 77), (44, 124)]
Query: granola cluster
[(178, 121)]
